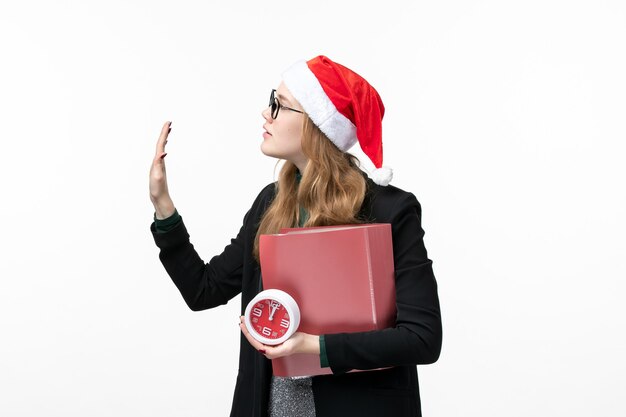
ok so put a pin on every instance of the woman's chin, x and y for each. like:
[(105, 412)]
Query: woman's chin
[(267, 152)]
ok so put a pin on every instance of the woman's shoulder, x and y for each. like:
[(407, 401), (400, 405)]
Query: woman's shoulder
[(385, 202), (264, 197), (266, 193), (379, 198), (388, 193), (268, 190)]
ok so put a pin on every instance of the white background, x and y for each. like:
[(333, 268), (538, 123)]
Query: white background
[(505, 119)]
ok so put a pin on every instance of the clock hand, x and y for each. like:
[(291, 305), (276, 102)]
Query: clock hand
[(274, 306)]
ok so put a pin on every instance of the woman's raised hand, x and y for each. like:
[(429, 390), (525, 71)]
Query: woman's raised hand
[(159, 193)]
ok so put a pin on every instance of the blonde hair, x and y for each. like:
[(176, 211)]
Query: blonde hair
[(331, 190)]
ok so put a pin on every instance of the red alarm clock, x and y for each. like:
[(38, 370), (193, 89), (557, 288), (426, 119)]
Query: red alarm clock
[(272, 317)]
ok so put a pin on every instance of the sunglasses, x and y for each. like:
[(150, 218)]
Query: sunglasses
[(276, 106)]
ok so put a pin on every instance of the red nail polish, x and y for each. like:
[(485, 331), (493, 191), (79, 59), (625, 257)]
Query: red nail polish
[(163, 156), (262, 351)]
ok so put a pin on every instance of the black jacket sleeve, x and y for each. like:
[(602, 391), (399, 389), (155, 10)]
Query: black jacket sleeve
[(416, 338), (202, 285)]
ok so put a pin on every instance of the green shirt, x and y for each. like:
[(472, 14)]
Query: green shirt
[(165, 225)]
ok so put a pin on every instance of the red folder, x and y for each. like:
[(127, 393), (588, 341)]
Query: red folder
[(342, 278)]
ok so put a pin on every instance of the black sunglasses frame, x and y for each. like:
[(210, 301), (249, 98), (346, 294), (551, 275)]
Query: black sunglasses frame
[(276, 106)]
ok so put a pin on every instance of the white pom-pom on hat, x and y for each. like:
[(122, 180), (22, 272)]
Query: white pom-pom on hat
[(382, 176)]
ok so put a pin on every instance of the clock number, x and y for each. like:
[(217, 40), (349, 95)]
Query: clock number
[(257, 311), (284, 323), (266, 331)]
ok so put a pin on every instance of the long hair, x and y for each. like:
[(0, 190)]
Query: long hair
[(331, 190)]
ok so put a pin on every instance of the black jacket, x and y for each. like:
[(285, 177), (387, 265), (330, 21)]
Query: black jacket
[(415, 340)]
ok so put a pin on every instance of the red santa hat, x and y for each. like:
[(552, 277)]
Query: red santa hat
[(343, 105)]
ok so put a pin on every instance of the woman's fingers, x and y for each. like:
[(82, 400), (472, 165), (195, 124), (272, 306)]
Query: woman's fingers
[(158, 180), (255, 343), (270, 352), (165, 131)]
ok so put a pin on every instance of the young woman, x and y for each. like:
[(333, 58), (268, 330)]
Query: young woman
[(319, 110)]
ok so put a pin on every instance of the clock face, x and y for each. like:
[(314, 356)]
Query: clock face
[(272, 316), (269, 318)]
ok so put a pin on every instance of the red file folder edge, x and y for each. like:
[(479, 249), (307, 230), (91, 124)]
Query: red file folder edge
[(342, 278)]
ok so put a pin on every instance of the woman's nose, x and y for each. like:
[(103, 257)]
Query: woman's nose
[(266, 114)]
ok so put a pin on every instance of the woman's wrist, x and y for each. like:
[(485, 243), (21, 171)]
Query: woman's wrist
[(164, 208), (312, 344)]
